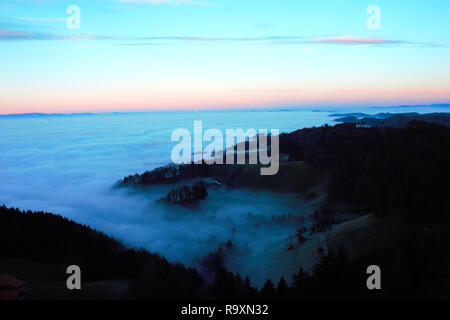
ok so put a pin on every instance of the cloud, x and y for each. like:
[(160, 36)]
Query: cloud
[(354, 40), (37, 19), (6, 34), (15, 35), (167, 2), (277, 40), (24, 35)]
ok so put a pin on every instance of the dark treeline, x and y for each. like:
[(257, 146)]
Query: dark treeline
[(176, 173), (402, 171), (49, 238), (414, 266), (172, 174), (187, 194)]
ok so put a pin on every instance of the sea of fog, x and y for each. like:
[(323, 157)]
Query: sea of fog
[(67, 165)]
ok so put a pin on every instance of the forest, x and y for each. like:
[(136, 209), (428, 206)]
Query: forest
[(392, 171), (412, 265)]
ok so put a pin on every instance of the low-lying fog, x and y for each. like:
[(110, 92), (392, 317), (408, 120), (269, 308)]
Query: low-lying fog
[(68, 165)]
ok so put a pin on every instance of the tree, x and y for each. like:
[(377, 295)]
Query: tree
[(268, 291), (282, 288)]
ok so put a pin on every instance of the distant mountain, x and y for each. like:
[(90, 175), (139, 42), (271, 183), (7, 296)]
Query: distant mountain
[(395, 120), (42, 115)]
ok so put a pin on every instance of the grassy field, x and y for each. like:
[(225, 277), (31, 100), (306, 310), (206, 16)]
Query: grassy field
[(294, 177)]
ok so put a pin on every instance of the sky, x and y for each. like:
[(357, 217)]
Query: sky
[(139, 55)]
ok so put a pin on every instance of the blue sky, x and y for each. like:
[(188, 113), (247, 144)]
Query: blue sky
[(133, 55)]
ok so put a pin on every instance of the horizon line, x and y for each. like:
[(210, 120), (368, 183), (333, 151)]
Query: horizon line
[(281, 109)]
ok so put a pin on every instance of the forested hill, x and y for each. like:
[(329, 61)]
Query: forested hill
[(388, 170), (402, 171), (55, 240)]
